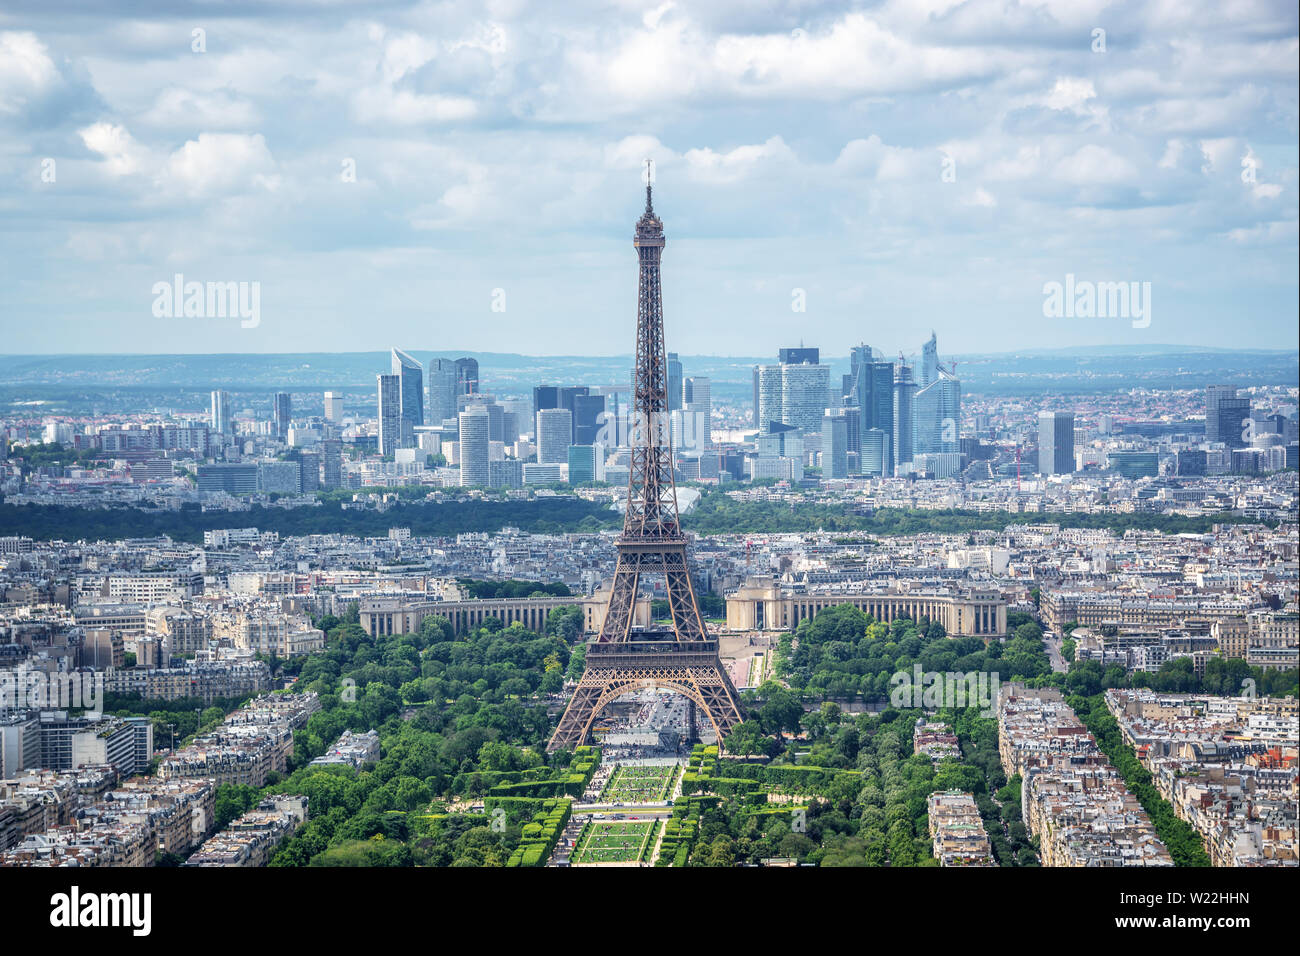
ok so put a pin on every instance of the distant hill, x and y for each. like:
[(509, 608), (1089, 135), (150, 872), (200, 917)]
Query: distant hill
[(1070, 369)]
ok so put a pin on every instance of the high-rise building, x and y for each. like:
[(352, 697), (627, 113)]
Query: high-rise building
[(309, 472), (872, 393), (282, 414), (1055, 443), (334, 407), (835, 445), (799, 356), (586, 464), (795, 392), (876, 457), (936, 416), (697, 390), (927, 371), (442, 391), (474, 447), (411, 395), (554, 435), (674, 382), (545, 396), (1225, 416), (697, 399), (904, 392), (390, 413), (505, 473), (768, 400), (805, 392), (588, 411), (221, 417), (467, 381), (332, 462)]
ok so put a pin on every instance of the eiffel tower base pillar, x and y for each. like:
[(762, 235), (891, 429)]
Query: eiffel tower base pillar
[(689, 668)]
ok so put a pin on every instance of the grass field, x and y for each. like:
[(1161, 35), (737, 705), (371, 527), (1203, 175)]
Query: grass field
[(639, 784), (615, 841)]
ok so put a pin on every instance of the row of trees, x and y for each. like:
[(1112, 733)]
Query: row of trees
[(1184, 843), (843, 653), (716, 513)]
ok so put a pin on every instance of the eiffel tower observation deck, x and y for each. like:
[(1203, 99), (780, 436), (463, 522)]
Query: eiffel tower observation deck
[(624, 658)]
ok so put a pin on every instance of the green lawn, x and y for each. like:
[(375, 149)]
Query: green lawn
[(639, 784), (615, 841)]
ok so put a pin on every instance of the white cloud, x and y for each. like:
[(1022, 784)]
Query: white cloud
[(1093, 165), (705, 165), (122, 154), (218, 162), (26, 70)]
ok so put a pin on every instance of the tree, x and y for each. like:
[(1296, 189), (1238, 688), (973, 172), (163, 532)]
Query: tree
[(780, 710)]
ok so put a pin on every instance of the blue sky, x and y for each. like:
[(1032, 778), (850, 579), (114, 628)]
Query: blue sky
[(498, 146)]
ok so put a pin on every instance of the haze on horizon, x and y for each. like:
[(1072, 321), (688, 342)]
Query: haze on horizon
[(894, 168)]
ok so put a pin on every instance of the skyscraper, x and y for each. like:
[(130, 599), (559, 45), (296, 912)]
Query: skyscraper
[(872, 392), (904, 392), (442, 390), (768, 401), (936, 416), (586, 464), (835, 445), (674, 382), (411, 390), (1225, 416), (334, 407), (332, 462), (795, 392), (545, 396), (554, 435), (876, 458), (587, 414), (282, 414), (467, 382), (221, 420), (927, 371), (799, 356), (1055, 443), (390, 413), (697, 390), (308, 471), (474, 446)]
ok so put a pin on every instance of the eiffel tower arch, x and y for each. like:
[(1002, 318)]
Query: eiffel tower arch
[(624, 658)]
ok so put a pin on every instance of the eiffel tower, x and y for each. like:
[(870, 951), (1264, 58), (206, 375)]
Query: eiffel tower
[(624, 658)]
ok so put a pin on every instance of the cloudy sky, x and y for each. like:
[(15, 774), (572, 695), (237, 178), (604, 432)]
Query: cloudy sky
[(389, 173)]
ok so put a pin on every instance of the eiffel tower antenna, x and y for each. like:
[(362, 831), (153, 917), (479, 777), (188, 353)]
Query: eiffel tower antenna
[(625, 657)]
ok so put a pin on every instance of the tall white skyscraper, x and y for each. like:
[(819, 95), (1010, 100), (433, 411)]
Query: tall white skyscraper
[(474, 447), (794, 392), (334, 407), (221, 420), (554, 435)]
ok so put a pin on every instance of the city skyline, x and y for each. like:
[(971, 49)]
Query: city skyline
[(932, 502), (947, 186)]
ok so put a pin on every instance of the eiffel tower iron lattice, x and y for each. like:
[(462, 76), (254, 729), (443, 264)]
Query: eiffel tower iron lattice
[(624, 658)]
